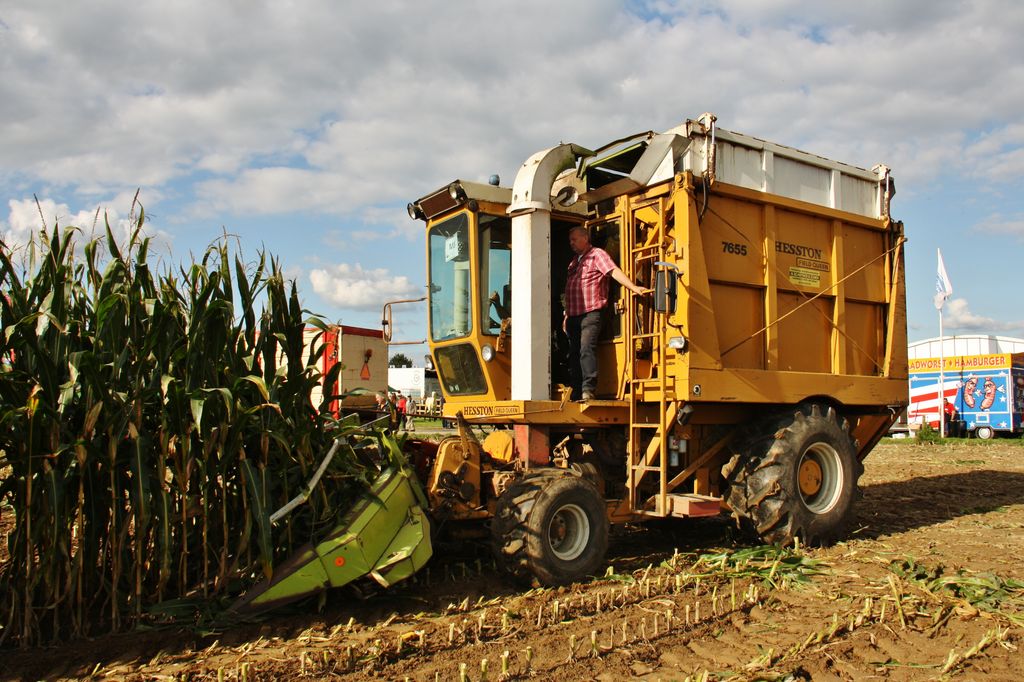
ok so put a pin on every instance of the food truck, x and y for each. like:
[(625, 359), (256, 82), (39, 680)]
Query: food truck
[(986, 390)]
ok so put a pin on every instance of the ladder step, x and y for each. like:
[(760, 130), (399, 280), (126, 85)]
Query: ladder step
[(693, 505), (601, 403)]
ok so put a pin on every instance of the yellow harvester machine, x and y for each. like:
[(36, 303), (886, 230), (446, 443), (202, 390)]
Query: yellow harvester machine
[(768, 360)]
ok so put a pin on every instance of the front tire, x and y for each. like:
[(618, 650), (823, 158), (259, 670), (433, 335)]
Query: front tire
[(550, 526), (984, 432), (798, 479)]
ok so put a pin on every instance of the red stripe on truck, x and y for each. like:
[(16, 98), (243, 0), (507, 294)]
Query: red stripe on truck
[(362, 331)]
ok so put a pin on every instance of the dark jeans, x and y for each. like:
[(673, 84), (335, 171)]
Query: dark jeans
[(583, 331)]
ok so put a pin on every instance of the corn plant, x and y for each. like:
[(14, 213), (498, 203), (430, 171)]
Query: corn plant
[(151, 418)]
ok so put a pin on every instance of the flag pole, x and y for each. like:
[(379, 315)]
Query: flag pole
[(943, 290), (942, 380)]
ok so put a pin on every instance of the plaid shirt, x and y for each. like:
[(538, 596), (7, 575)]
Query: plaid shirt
[(586, 288)]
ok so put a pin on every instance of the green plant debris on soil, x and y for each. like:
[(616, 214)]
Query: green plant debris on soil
[(984, 591)]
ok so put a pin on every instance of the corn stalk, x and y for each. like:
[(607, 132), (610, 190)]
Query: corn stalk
[(150, 420)]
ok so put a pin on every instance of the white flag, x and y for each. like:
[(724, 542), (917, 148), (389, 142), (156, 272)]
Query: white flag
[(943, 287)]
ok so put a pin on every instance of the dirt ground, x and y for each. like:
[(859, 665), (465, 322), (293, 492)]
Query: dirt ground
[(923, 589)]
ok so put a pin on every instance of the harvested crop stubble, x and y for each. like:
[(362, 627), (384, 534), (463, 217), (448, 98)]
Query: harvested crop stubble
[(149, 423)]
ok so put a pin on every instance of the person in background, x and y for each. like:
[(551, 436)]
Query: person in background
[(951, 416), (401, 404), (410, 419), (586, 294)]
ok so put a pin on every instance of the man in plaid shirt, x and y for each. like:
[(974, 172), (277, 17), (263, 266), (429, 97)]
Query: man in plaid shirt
[(586, 294)]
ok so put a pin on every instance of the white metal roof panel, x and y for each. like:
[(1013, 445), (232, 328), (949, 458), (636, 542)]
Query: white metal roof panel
[(968, 344), (769, 167)]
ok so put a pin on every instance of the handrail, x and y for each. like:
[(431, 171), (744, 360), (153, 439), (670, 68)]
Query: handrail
[(387, 325)]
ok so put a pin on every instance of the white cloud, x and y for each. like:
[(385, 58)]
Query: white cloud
[(863, 16), (353, 287), (346, 105), (293, 272), (333, 117), (998, 223), (957, 316), (274, 190), (26, 217)]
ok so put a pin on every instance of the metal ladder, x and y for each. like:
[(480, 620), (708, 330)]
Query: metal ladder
[(647, 449)]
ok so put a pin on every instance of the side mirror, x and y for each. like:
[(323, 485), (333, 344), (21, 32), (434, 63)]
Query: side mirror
[(665, 291)]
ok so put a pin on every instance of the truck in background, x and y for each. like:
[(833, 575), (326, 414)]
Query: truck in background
[(416, 382), (363, 354), (986, 390)]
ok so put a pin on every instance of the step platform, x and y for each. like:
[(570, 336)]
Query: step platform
[(689, 506)]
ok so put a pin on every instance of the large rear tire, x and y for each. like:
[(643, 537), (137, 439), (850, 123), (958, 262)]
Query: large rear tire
[(797, 478), (550, 526)]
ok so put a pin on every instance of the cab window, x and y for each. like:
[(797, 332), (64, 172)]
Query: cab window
[(449, 278), (495, 271)]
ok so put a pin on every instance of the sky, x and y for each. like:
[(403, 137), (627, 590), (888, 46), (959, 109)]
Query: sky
[(305, 127)]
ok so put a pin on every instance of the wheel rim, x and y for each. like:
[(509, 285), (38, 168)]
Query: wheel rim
[(820, 477), (984, 432), (810, 477), (569, 532)]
